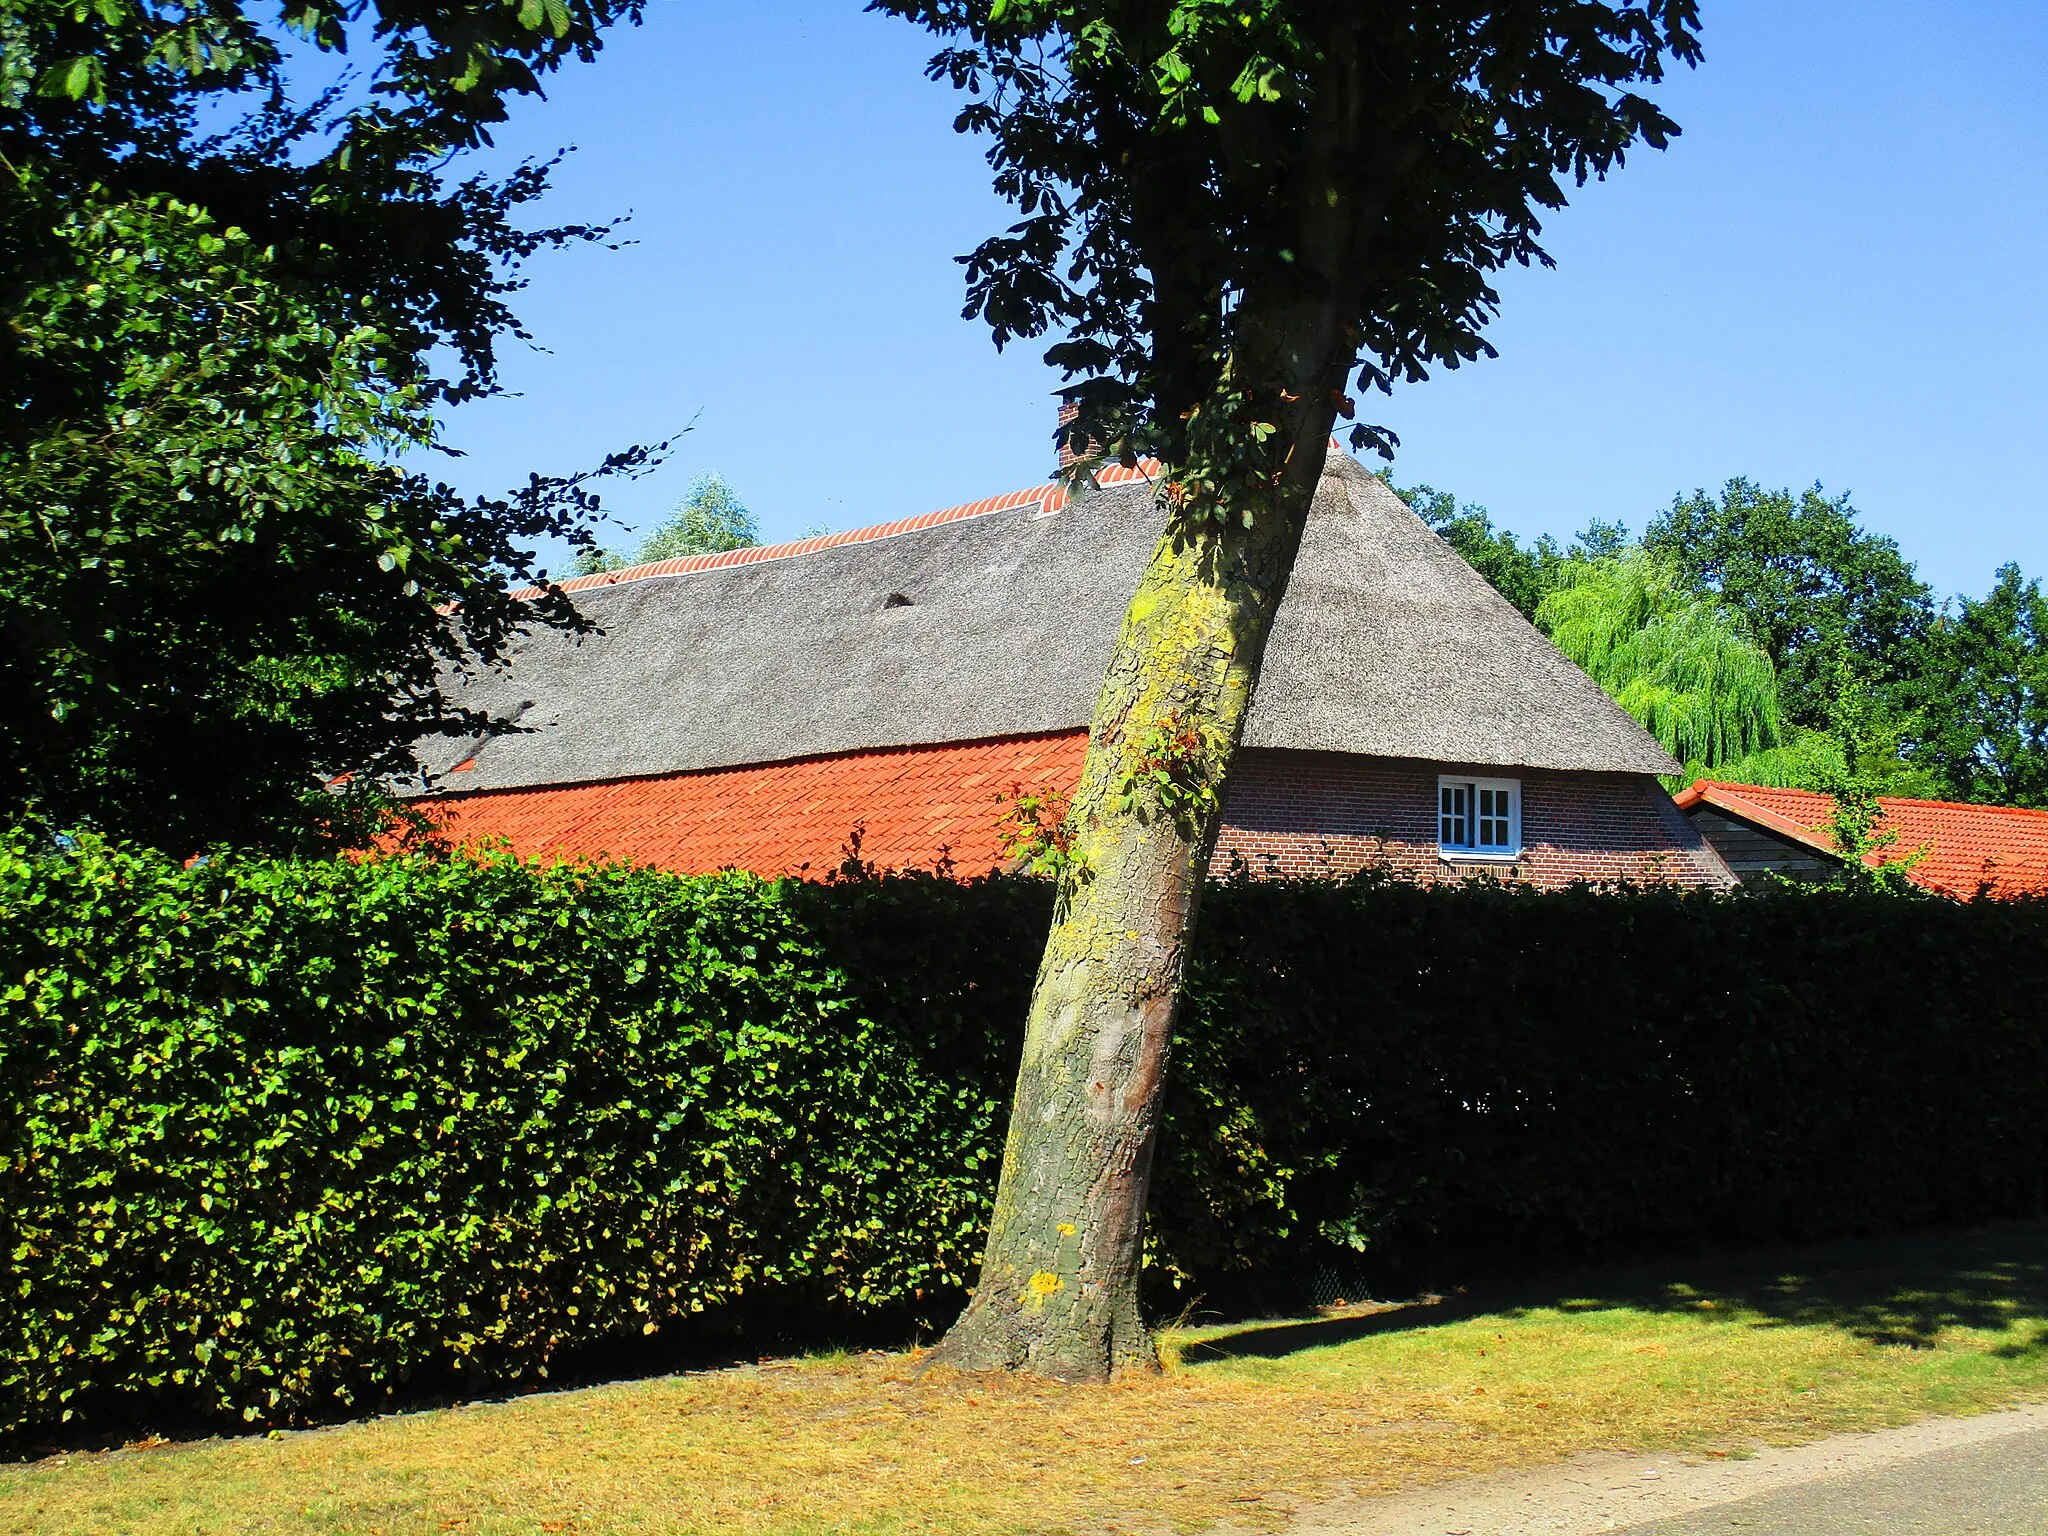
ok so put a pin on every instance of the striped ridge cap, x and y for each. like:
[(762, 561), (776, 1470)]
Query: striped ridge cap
[(1049, 498)]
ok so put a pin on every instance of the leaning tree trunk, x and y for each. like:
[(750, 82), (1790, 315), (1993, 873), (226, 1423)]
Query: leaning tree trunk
[(1058, 1293)]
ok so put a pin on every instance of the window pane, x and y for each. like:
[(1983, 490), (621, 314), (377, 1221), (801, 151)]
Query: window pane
[(1455, 815)]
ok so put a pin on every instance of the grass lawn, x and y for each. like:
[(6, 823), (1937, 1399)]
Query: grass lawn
[(1252, 1422)]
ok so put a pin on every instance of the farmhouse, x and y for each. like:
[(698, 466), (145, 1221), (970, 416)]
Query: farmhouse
[(1964, 851), (891, 688)]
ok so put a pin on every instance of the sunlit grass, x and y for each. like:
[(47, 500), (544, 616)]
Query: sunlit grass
[(1250, 1423)]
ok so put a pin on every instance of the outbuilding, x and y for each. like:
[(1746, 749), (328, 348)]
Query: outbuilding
[(1949, 848)]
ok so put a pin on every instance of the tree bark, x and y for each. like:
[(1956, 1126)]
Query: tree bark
[(1058, 1294)]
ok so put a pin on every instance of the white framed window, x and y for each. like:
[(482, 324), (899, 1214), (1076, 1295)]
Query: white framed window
[(1479, 818)]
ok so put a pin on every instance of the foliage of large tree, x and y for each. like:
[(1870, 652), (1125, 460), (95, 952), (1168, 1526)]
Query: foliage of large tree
[(1229, 210), (710, 519), (1666, 649), (1981, 724), (1868, 684), (1820, 593), (224, 318)]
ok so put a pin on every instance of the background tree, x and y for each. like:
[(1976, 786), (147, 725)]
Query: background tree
[(1228, 208), (1981, 723), (226, 316), (1847, 609), (710, 518), (1817, 591), (1676, 660)]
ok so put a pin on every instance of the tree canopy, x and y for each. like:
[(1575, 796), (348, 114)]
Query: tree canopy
[(1170, 158), (230, 321), (710, 519), (1819, 592), (1675, 659), (1980, 716), (1876, 689)]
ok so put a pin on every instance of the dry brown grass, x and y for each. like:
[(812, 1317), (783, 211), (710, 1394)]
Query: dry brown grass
[(1247, 1426)]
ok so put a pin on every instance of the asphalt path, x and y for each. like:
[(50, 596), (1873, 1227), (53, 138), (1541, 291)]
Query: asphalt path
[(1999, 1488), (1984, 1475)]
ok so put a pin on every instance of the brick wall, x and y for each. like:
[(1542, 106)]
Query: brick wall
[(1315, 813)]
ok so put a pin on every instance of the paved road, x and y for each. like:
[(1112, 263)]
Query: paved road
[(1973, 1476), (1999, 1488)]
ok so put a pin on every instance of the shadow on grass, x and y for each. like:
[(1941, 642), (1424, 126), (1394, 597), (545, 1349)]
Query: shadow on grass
[(1897, 1290)]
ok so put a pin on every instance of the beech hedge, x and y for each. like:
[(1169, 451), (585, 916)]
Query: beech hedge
[(1401, 1083), (281, 1140), (1458, 1079)]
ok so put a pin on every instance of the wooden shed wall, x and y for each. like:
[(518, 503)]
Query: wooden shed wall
[(1750, 851)]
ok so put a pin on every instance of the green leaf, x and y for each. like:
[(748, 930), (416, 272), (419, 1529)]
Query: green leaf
[(78, 78)]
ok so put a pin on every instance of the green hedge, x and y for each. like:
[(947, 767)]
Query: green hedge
[(1481, 1076), (277, 1139), (282, 1140), (1396, 1081)]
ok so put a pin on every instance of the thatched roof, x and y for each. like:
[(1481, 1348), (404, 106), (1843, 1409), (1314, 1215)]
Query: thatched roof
[(992, 623)]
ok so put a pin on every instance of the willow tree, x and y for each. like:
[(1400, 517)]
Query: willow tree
[(1671, 655), (1233, 213)]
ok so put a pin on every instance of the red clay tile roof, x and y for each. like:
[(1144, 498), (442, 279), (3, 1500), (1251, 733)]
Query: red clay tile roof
[(1050, 498), (1971, 850), (913, 806)]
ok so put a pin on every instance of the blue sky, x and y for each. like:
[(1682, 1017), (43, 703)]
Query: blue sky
[(1835, 275)]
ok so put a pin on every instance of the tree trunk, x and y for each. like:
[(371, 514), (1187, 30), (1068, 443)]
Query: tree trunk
[(1058, 1293)]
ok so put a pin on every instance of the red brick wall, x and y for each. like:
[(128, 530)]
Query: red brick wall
[(1314, 813)]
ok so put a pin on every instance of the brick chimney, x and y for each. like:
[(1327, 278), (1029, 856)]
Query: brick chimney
[(1069, 458)]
